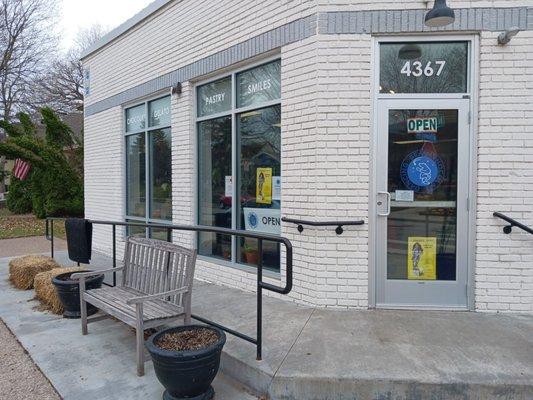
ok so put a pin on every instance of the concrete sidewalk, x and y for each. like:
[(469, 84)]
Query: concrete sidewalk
[(308, 353), (100, 366), (29, 245)]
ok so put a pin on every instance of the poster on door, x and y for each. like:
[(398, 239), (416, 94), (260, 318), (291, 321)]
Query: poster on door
[(263, 181), (422, 258)]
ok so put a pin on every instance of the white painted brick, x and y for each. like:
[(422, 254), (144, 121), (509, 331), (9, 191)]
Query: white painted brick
[(326, 108)]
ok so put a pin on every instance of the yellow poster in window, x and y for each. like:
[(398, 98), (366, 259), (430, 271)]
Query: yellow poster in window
[(263, 193), (422, 258)]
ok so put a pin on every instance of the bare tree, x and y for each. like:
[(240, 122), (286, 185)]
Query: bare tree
[(27, 39), (62, 88)]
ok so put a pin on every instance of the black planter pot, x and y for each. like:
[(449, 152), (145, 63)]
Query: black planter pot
[(68, 291), (187, 374)]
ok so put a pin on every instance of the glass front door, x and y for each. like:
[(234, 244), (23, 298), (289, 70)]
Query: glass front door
[(421, 203)]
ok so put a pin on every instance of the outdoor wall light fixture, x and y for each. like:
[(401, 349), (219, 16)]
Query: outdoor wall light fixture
[(176, 89), (505, 37), (439, 15)]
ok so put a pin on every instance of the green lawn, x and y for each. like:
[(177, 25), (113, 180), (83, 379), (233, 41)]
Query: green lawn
[(14, 226), (4, 212)]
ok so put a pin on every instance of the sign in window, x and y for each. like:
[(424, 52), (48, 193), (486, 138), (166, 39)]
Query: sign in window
[(423, 67), (214, 97), (259, 85)]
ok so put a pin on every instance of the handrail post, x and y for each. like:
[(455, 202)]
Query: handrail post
[(52, 238), (259, 300), (114, 254), (169, 235)]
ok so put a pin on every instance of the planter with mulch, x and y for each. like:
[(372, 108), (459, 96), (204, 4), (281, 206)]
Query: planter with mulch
[(68, 291), (186, 360)]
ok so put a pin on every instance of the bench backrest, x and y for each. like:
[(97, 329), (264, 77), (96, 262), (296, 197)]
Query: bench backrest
[(154, 266)]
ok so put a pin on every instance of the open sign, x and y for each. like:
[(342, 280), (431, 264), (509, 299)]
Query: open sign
[(418, 125), (267, 220)]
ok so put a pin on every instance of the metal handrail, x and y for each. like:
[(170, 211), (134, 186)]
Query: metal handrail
[(512, 223), (339, 224), (258, 341)]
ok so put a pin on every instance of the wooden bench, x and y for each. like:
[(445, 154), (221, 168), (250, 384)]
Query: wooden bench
[(155, 289)]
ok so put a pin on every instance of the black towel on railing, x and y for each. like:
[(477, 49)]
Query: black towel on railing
[(79, 239)]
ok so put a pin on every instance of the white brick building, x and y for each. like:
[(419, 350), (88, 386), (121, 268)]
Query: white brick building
[(359, 109)]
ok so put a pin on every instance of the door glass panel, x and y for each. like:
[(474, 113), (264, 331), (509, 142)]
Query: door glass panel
[(422, 181)]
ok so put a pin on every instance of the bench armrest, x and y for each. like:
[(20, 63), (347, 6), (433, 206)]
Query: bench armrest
[(92, 273), (141, 299)]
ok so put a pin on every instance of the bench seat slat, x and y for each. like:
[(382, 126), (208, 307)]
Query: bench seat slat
[(116, 298)]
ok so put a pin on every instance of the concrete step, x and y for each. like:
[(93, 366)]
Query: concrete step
[(227, 388)]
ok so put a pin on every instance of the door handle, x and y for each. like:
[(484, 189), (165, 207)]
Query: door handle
[(387, 195)]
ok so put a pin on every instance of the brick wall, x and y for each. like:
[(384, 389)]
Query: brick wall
[(180, 33), (342, 170), (104, 173), (300, 92), (504, 263)]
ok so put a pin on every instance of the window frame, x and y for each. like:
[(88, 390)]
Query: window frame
[(147, 163), (233, 112)]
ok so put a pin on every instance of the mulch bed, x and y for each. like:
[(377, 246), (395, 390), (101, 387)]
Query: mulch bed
[(194, 339)]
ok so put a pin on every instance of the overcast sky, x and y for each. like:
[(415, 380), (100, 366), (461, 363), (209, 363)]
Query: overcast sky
[(78, 14)]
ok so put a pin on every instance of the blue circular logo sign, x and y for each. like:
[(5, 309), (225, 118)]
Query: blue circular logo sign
[(421, 172), (252, 220)]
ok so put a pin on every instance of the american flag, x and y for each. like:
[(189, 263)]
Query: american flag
[(21, 169)]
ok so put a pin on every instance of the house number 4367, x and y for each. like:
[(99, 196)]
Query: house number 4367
[(416, 68)]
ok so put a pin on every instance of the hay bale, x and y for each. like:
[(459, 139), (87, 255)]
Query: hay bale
[(45, 290), (22, 270)]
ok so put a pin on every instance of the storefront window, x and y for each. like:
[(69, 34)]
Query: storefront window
[(257, 180), (148, 165), (259, 85), (135, 230), (214, 201), (214, 97), (161, 175), (259, 135), (159, 112), (136, 175), (424, 67), (136, 118)]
